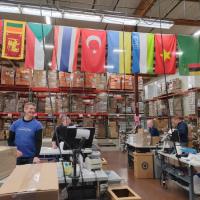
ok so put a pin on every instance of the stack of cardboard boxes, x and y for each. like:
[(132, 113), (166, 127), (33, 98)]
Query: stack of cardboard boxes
[(23, 76), (48, 105), (115, 82), (101, 103), (7, 75), (52, 79), (39, 78), (77, 79), (10, 102), (113, 129), (127, 82), (90, 80), (101, 82), (100, 128), (64, 79), (77, 104)]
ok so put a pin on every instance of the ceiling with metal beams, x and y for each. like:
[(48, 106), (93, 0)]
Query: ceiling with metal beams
[(184, 13)]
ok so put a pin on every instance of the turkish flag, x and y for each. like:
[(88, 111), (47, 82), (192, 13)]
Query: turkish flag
[(93, 50), (165, 48)]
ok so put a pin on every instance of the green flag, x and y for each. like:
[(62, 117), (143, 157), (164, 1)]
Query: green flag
[(189, 59), (150, 53)]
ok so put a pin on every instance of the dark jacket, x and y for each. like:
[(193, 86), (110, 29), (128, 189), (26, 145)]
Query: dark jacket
[(154, 132), (183, 131)]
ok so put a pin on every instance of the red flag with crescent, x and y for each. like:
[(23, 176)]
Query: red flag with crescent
[(93, 50)]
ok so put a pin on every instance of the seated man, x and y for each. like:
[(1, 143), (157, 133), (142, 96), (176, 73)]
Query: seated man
[(152, 128)]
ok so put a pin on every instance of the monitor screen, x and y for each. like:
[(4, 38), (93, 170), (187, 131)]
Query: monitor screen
[(71, 142)]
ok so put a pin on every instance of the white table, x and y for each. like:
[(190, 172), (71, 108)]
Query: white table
[(134, 147), (48, 151), (88, 176), (168, 161)]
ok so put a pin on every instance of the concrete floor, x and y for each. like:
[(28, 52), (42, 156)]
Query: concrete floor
[(148, 189)]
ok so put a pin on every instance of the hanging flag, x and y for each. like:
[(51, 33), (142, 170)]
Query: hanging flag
[(143, 52), (39, 46), (1, 31), (13, 40), (93, 50), (119, 52), (65, 53), (189, 55), (165, 47)]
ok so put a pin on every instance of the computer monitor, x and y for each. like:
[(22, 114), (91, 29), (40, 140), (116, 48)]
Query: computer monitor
[(70, 140), (175, 136)]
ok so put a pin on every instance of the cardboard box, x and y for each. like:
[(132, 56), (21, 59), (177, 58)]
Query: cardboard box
[(10, 102), (64, 79), (23, 76), (155, 140), (100, 129), (113, 130), (115, 82), (90, 80), (39, 78), (127, 82), (52, 79), (35, 181), (143, 165), (122, 192), (101, 81), (77, 79), (7, 75), (7, 160)]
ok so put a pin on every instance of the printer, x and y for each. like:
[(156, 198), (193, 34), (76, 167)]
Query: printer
[(93, 161)]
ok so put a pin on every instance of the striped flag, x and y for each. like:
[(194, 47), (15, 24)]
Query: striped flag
[(119, 52), (65, 53), (13, 40), (39, 46), (1, 30), (143, 52)]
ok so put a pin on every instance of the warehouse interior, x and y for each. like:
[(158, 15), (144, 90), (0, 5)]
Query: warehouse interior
[(100, 99)]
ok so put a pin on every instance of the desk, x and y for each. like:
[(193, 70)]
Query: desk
[(170, 164), (133, 147), (48, 152)]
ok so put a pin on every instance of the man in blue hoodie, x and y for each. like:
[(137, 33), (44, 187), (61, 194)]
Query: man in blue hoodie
[(26, 134)]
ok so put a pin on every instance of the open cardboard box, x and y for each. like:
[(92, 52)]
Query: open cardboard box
[(122, 193)]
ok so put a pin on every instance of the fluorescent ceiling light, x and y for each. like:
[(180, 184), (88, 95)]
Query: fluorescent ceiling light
[(120, 20), (118, 50), (109, 66), (179, 53), (39, 12), (31, 11), (82, 17), (197, 33), (50, 13), (155, 23), (48, 20), (9, 9), (131, 21), (47, 46)]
